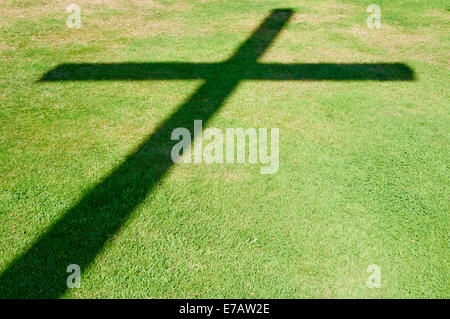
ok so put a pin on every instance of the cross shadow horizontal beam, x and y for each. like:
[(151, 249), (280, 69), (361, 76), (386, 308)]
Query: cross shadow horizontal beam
[(256, 71)]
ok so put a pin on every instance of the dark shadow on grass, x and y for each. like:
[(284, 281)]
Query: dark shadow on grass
[(254, 71), (80, 234)]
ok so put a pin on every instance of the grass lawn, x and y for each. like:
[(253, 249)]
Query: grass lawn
[(86, 176)]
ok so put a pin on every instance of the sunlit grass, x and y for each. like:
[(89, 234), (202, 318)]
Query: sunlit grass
[(363, 173)]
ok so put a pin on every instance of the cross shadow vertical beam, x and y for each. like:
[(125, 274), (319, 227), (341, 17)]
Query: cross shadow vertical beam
[(82, 231)]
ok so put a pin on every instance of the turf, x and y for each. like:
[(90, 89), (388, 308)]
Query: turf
[(363, 175)]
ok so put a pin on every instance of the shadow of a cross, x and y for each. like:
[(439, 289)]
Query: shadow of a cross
[(79, 235)]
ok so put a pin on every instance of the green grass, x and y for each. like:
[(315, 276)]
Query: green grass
[(363, 175)]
